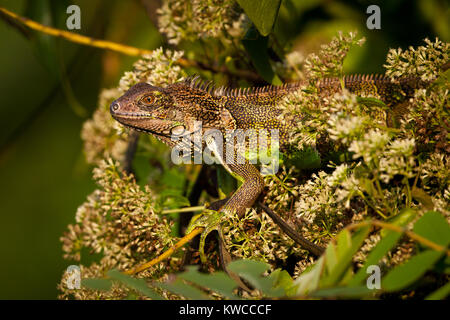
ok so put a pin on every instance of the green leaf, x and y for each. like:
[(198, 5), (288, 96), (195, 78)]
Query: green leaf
[(284, 281), (407, 273), (372, 102), (262, 13), (256, 47), (433, 226), (423, 197), (404, 217), (388, 241), (308, 281), (331, 257), (342, 292), (183, 289), (133, 283), (347, 246), (173, 178), (440, 293), (249, 266), (344, 243), (97, 284), (380, 250), (226, 182), (367, 186), (443, 266), (219, 282), (172, 199), (308, 158), (252, 271)]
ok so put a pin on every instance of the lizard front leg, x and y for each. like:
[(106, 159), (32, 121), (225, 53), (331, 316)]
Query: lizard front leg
[(252, 185), (248, 192)]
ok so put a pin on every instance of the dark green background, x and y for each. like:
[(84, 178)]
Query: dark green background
[(48, 88)]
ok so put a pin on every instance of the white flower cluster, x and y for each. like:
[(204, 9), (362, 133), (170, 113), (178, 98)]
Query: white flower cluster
[(371, 147), (283, 188), (117, 220), (102, 136), (157, 68), (346, 128), (256, 236), (317, 198), (437, 168), (199, 19), (290, 67), (329, 61), (424, 61), (398, 160)]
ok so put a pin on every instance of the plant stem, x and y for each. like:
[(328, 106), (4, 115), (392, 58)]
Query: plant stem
[(188, 209), (167, 253), (114, 46), (395, 228)]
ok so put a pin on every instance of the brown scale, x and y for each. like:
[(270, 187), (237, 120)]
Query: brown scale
[(224, 108), (256, 108)]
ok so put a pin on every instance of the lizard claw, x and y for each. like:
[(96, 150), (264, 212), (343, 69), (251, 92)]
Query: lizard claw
[(210, 221)]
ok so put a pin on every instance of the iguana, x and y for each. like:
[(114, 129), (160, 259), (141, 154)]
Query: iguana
[(173, 110)]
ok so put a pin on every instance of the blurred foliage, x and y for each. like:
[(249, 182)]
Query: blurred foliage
[(332, 276), (42, 168), (50, 87)]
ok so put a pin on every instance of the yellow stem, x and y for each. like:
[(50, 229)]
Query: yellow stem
[(188, 209), (114, 46), (395, 228), (168, 253), (75, 37)]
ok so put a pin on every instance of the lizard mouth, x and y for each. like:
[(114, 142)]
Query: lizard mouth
[(148, 124), (143, 123), (130, 115), (155, 133)]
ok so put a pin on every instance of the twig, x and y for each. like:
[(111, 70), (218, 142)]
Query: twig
[(167, 253), (240, 73), (75, 37), (130, 152), (187, 209), (15, 24), (194, 196), (395, 228), (12, 17)]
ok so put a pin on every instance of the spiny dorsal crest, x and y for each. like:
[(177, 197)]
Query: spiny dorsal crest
[(195, 82), (353, 78)]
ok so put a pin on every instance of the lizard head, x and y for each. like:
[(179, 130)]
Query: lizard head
[(150, 109)]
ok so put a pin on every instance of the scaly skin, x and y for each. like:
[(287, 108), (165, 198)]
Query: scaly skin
[(170, 110)]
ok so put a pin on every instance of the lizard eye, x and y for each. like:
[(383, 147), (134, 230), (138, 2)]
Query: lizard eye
[(148, 100)]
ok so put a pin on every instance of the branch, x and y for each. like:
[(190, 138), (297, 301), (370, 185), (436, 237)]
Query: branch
[(395, 228), (182, 210), (74, 37), (167, 253), (17, 20), (131, 151)]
